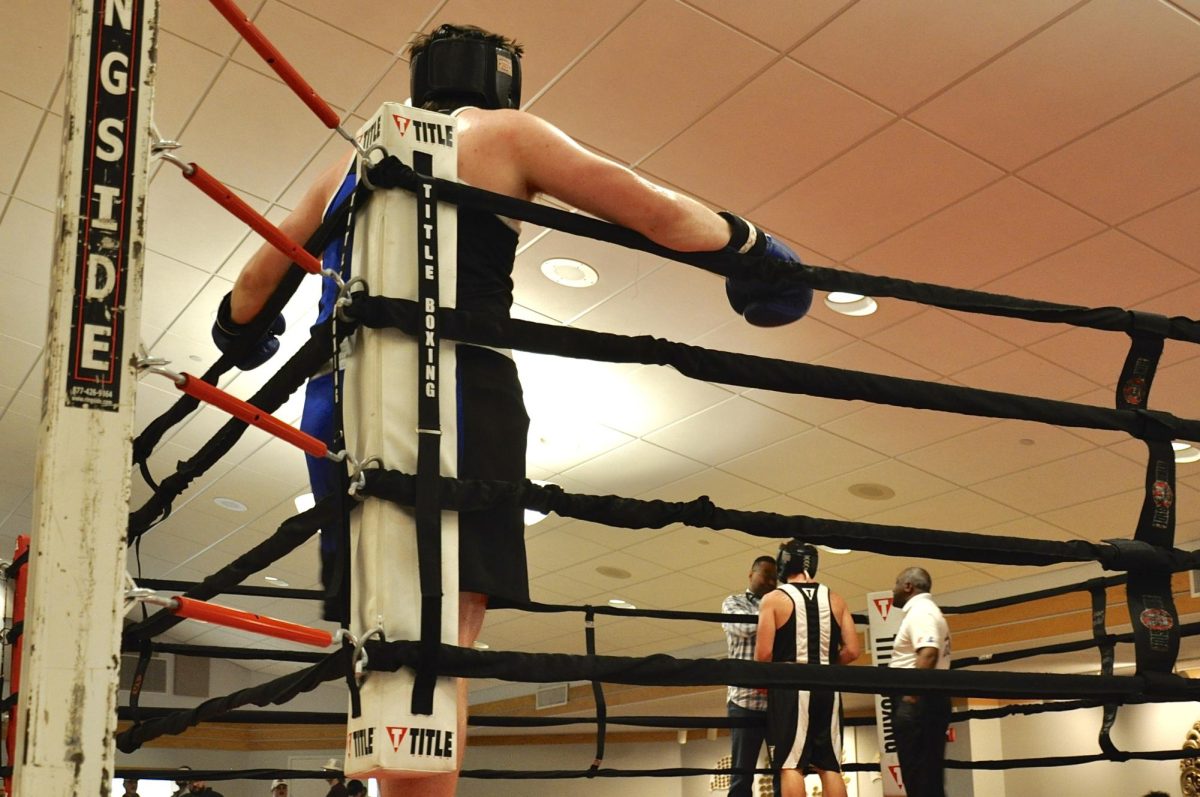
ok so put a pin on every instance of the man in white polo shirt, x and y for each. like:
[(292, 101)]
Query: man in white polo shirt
[(920, 721)]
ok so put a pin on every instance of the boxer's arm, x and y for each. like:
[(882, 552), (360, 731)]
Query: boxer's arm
[(851, 648), (768, 622), (266, 267), (552, 163)]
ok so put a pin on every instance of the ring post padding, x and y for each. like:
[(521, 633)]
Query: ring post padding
[(883, 623), (381, 420)]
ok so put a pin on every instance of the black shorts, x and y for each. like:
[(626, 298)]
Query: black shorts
[(492, 431)]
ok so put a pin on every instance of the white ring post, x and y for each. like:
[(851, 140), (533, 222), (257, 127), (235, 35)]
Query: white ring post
[(68, 699)]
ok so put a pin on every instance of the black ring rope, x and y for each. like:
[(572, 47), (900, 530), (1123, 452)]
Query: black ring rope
[(1156, 427), (632, 513), (391, 172)]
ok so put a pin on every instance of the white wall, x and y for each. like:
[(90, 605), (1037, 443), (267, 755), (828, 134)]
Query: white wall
[(1148, 727)]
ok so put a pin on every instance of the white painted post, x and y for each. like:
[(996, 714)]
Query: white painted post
[(66, 716)]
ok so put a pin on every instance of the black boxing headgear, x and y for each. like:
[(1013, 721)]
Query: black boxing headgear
[(462, 65), (795, 556)]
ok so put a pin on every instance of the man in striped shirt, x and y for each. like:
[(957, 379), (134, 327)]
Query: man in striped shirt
[(744, 702), (807, 623)]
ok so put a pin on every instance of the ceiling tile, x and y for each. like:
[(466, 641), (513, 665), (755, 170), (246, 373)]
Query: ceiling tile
[(696, 305), (995, 450), (210, 232), (813, 456), (1132, 164), (816, 411), (27, 240), (1024, 374), (1028, 527), (1099, 61), (1064, 482), (590, 574), (836, 495), (958, 510), (868, 358), (27, 318), (896, 430), (341, 70), (19, 126), (203, 25), (1170, 229), (723, 489), (234, 134), (652, 397), (986, 235), (1095, 273), (940, 342), (165, 281), (779, 23), (554, 34), (895, 178), (1110, 517), (766, 165), (33, 49), (381, 22), (799, 342), (685, 547), (16, 358), (725, 431), (633, 469), (687, 80), (41, 172), (185, 73), (618, 268), (898, 54)]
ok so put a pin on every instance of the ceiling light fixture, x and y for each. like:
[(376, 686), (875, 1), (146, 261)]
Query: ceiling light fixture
[(569, 273), (230, 504), (1185, 452), (617, 603), (831, 549), (854, 304), (480, 645), (871, 491), (304, 502), (279, 582)]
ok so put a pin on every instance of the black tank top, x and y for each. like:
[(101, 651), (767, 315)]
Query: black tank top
[(486, 250)]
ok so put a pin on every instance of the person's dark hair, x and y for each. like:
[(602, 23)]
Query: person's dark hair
[(421, 42), (355, 787), (919, 577), (762, 560), (1156, 793)]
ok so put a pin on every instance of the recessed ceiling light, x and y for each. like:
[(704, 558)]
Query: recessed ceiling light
[(613, 572), (871, 491), (304, 502), (831, 549), (617, 603), (279, 582), (850, 303), (230, 504), (569, 273), (1186, 454), (481, 645)]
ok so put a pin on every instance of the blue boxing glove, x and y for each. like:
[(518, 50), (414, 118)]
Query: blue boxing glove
[(760, 303), (227, 333)]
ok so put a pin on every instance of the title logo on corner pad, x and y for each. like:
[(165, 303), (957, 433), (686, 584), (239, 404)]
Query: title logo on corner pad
[(422, 741), (883, 606), (362, 742), (425, 132)]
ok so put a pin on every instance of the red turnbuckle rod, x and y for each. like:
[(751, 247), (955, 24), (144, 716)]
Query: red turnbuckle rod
[(235, 205), (255, 38), (242, 410), (249, 621)]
